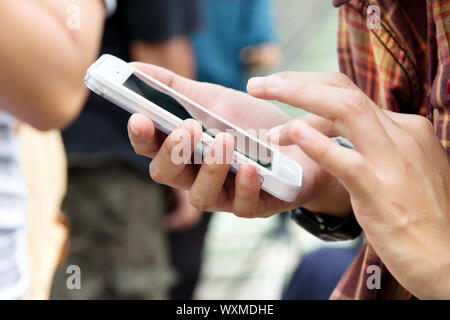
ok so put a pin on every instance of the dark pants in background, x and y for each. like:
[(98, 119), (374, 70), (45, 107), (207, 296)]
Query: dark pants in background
[(117, 240), (319, 272), (186, 248)]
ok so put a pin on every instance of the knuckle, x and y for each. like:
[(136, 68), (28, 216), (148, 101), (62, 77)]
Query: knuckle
[(357, 170), (423, 125), (296, 123), (178, 149), (214, 168), (411, 141), (243, 213), (156, 173), (199, 202), (408, 167), (138, 149), (340, 80), (294, 127), (356, 103), (323, 150), (285, 74), (175, 139), (145, 150)]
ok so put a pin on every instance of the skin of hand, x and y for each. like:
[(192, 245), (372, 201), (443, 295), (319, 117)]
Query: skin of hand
[(185, 215), (398, 175), (211, 187), (43, 62)]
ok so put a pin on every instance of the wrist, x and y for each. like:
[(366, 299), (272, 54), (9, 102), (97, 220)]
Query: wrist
[(326, 227), (332, 200), (342, 211)]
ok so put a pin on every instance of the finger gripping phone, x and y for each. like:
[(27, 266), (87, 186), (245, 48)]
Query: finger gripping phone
[(137, 92)]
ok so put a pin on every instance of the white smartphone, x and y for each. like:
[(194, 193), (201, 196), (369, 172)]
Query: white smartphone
[(137, 92)]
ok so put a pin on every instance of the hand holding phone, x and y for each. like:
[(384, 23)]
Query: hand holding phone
[(137, 92)]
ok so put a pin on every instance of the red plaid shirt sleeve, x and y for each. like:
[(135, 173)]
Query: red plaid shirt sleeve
[(402, 64)]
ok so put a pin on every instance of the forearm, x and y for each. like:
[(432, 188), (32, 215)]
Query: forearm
[(43, 61)]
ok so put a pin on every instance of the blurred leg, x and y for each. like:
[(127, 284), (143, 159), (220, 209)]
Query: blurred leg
[(117, 239), (186, 249)]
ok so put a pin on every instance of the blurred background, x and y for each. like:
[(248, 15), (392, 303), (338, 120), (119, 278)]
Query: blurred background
[(307, 33), (95, 225)]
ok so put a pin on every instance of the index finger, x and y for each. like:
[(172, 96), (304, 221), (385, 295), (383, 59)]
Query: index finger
[(282, 135), (194, 90), (353, 114)]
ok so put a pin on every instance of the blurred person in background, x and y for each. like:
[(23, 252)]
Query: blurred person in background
[(116, 213), (41, 89), (237, 37)]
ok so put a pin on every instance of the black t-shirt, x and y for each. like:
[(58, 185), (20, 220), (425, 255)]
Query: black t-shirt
[(101, 129)]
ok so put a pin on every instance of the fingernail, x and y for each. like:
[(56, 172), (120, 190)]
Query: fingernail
[(246, 179), (255, 83), (135, 131), (276, 83)]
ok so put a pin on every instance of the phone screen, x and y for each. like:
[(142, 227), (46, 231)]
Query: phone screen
[(136, 83), (157, 97)]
